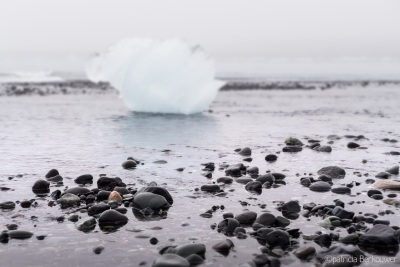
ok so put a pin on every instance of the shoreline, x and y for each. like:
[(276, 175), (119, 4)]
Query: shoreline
[(88, 87)]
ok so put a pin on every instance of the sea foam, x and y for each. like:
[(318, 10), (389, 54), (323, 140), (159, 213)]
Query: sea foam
[(157, 76)]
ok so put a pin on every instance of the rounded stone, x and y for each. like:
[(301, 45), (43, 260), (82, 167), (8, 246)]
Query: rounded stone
[(52, 173), (171, 260), (68, 200), (210, 188), (271, 158), (320, 186), (247, 217), (129, 164), (115, 196), (7, 205), (112, 217), (77, 191), (149, 200), (84, 179), (41, 187), (19, 234)]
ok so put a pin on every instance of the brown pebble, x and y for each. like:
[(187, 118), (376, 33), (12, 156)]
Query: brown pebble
[(115, 196)]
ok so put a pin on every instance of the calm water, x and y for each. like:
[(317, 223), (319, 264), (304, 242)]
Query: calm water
[(79, 134)]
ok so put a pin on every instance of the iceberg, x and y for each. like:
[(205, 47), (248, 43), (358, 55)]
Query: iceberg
[(157, 76)]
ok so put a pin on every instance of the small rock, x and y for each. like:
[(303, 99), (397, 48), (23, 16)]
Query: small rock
[(115, 196), (271, 158), (8, 205), (332, 171), (246, 152), (352, 145), (84, 179), (304, 252), (19, 234), (129, 164), (171, 260), (98, 250), (86, 225), (212, 188), (52, 173), (223, 247), (41, 187), (320, 186)]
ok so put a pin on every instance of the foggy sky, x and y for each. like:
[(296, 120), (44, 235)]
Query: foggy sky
[(61, 35)]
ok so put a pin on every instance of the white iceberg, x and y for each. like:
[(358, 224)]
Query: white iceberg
[(157, 76)]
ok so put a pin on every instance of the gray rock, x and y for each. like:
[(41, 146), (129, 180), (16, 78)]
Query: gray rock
[(68, 200), (254, 186), (171, 260), (278, 238), (129, 164), (98, 208), (223, 247), (291, 207), (394, 170), (84, 179), (333, 172), (352, 145), (55, 179), (266, 178), (281, 221), (247, 217), (292, 149), (228, 226), (235, 170), (326, 149), (265, 219), (189, 249), (112, 217), (246, 152), (380, 235), (342, 213), (304, 252), (77, 191), (19, 234), (383, 175), (292, 141), (225, 180), (7, 205), (320, 186), (271, 158), (341, 190), (52, 173), (86, 225), (41, 187), (150, 200), (243, 180), (212, 188)]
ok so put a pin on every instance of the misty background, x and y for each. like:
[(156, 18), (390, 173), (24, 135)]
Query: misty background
[(258, 38)]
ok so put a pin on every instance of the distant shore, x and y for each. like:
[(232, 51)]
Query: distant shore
[(88, 87)]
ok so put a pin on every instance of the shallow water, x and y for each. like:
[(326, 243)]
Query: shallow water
[(79, 134)]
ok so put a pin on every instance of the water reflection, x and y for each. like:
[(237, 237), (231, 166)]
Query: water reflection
[(148, 129)]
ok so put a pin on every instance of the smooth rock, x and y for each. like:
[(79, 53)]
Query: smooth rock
[(55, 179), (223, 247), (212, 188), (228, 226), (19, 234), (247, 217), (341, 190), (253, 186), (278, 238), (265, 219), (150, 200), (129, 164), (98, 208), (304, 252), (7, 205), (292, 149), (108, 184), (86, 225), (77, 191), (291, 206), (52, 173), (271, 158), (292, 141), (320, 186), (112, 217), (246, 152), (266, 178), (41, 187), (393, 170), (383, 175), (352, 145), (333, 172), (84, 179), (189, 249), (68, 200), (380, 235), (171, 260)]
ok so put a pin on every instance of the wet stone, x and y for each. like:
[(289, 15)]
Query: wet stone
[(210, 188), (68, 200), (320, 187), (7, 205), (332, 171), (341, 190), (52, 173), (19, 234), (171, 260), (84, 179), (86, 225)]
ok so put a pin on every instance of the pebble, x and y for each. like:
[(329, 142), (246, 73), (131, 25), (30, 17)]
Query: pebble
[(333, 172), (271, 158), (387, 184), (68, 200), (320, 186), (86, 225), (341, 190), (292, 149), (149, 200), (129, 164), (246, 152), (19, 234), (304, 252), (352, 145), (41, 187), (84, 179), (171, 260), (7, 205), (115, 196), (211, 188), (112, 217), (98, 250), (52, 173), (224, 246)]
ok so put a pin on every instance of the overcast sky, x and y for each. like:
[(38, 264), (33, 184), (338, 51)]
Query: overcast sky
[(61, 35)]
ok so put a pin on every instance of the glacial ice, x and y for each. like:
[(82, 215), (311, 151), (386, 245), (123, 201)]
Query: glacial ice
[(157, 76)]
